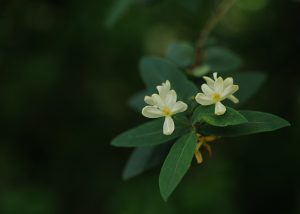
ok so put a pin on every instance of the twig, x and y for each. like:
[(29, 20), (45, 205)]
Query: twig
[(221, 11)]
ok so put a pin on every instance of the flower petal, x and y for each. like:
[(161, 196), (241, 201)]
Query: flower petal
[(167, 84), (171, 98), (229, 91), (149, 100), (151, 112), (220, 109), (210, 82), (207, 90), (169, 126), (204, 100), (158, 101), (215, 74), (228, 81), (219, 85), (233, 99), (164, 89), (179, 107)]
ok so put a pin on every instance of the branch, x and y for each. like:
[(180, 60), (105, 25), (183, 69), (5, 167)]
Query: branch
[(221, 11)]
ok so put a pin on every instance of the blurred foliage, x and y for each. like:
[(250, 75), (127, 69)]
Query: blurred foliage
[(65, 79)]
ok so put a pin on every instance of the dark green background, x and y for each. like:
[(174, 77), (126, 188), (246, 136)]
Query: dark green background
[(65, 79)]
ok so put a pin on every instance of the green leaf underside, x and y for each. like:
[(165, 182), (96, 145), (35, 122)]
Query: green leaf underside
[(181, 53), (177, 163), (206, 114), (144, 158), (250, 83), (155, 71), (148, 134), (257, 122), (221, 59)]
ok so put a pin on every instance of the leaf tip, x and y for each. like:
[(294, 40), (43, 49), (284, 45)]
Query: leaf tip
[(115, 142), (165, 196), (286, 123), (125, 176)]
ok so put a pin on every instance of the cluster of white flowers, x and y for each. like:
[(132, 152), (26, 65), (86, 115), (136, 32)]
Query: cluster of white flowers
[(216, 91), (165, 104)]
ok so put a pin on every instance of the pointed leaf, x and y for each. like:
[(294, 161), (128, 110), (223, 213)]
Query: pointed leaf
[(257, 122), (177, 163), (221, 59), (117, 11), (155, 71), (206, 114), (200, 71), (250, 83), (144, 158), (147, 134), (180, 53)]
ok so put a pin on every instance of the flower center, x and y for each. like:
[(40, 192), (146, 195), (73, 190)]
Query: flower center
[(166, 111), (216, 97)]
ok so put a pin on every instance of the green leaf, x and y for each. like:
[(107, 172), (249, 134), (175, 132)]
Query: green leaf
[(117, 11), (147, 134), (221, 59), (206, 114), (180, 53), (177, 163), (155, 71), (200, 71), (143, 159), (191, 5), (249, 83), (257, 122), (136, 101)]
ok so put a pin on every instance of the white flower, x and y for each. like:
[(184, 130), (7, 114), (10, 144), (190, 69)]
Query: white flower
[(215, 91), (164, 104)]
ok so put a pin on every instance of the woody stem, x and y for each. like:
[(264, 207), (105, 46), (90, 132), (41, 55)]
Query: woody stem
[(221, 11)]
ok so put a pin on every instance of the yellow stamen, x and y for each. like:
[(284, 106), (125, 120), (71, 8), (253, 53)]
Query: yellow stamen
[(166, 111), (203, 141), (216, 97), (208, 148), (197, 152), (210, 138), (198, 157)]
